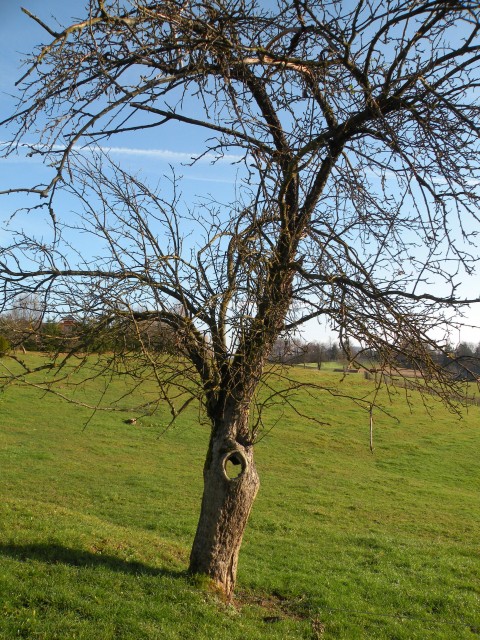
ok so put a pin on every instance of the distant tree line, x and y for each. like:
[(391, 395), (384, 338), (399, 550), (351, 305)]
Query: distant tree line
[(462, 360), (297, 351), (26, 327)]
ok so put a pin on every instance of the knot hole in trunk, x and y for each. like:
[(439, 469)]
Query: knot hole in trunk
[(234, 465)]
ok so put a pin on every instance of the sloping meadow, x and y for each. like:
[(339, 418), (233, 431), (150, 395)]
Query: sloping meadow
[(97, 517)]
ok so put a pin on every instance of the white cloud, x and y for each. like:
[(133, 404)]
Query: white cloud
[(169, 155)]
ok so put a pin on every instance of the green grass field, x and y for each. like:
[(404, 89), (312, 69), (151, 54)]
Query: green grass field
[(96, 524)]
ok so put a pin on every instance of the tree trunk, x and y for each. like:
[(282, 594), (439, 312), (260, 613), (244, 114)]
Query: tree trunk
[(230, 485)]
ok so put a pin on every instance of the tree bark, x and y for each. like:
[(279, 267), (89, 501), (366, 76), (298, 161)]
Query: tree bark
[(226, 505)]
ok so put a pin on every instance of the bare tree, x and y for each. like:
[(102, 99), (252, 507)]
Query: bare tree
[(357, 129), (23, 321)]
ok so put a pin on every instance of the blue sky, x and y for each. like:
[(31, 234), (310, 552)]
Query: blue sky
[(152, 153)]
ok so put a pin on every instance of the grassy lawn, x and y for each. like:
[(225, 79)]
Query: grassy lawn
[(96, 524)]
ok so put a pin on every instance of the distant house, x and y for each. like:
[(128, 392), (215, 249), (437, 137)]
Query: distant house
[(67, 325)]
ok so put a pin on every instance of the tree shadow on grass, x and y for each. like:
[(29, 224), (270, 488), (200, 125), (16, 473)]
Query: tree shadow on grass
[(57, 554)]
